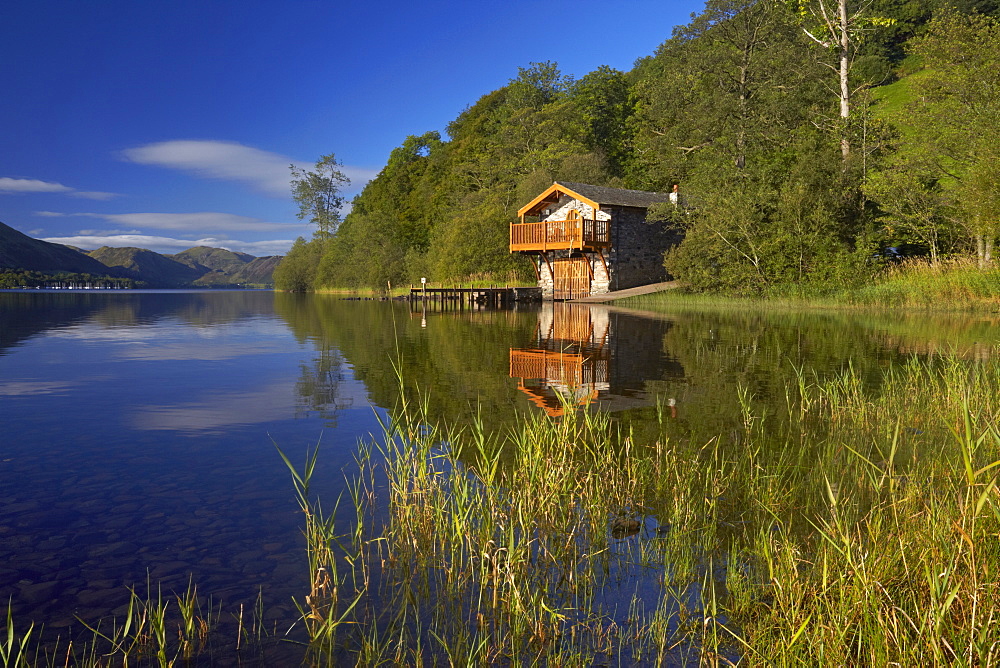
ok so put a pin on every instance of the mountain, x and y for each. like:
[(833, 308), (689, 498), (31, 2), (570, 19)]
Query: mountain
[(224, 267), (19, 251), (200, 266), (213, 259), (145, 265), (260, 270)]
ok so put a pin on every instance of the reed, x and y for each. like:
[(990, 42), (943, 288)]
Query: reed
[(321, 610), (155, 630), (856, 526), (859, 527), (16, 648)]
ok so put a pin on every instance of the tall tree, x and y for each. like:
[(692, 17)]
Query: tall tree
[(318, 194), (838, 27), (730, 86), (943, 181), (297, 270)]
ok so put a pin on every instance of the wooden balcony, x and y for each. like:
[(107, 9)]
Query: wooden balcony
[(579, 234)]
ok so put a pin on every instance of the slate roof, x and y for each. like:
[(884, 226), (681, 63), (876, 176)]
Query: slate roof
[(616, 196)]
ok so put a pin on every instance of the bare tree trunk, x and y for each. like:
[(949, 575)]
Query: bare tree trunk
[(837, 33), (984, 250), (845, 65)]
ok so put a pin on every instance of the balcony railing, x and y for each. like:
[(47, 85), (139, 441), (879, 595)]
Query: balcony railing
[(559, 234)]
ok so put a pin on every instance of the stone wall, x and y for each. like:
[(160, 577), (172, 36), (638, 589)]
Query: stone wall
[(637, 248), (562, 208)]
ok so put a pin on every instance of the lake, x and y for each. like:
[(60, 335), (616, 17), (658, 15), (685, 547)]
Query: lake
[(138, 430)]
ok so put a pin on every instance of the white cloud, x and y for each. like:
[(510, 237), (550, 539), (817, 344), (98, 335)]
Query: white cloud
[(197, 222), (105, 233), (94, 194), (9, 185), (231, 161), (174, 245), (207, 228)]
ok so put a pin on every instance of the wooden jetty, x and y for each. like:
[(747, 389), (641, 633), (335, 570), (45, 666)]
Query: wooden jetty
[(459, 297)]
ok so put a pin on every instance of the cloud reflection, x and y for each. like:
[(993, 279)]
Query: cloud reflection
[(32, 388), (181, 352), (216, 414)]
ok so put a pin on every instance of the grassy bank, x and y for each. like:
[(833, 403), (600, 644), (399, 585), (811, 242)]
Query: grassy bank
[(848, 530), (951, 285)]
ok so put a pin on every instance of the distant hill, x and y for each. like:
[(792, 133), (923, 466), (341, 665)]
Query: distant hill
[(260, 270), (213, 259), (19, 251), (224, 267), (201, 266), (145, 265)]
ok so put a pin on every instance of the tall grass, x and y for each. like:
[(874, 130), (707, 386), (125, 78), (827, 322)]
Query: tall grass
[(949, 284), (850, 530), (155, 630), (955, 284), (853, 527)]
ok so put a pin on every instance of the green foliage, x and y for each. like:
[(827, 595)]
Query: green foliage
[(318, 195), (13, 279), (941, 184), (795, 219), (736, 108), (297, 270), (606, 104)]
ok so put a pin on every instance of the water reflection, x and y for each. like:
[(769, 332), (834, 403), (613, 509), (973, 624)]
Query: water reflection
[(137, 445), (583, 356), (137, 428)]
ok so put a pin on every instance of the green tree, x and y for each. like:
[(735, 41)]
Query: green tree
[(915, 208), (730, 87), (605, 105), (318, 194), (958, 117), (942, 183), (297, 270), (791, 219)]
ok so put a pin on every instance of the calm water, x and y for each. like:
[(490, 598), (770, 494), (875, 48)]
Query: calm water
[(138, 430)]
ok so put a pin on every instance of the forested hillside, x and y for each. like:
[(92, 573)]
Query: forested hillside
[(804, 149)]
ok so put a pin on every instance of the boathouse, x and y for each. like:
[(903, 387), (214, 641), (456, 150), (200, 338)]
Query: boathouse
[(590, 240)]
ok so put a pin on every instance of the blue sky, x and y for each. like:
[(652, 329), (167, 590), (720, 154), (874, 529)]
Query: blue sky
[(167, 125)]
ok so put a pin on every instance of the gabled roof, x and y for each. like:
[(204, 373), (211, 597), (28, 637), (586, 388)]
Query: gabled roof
[(595, 196)]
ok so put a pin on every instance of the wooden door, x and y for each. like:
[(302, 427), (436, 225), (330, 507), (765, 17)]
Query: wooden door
[(571, 278)]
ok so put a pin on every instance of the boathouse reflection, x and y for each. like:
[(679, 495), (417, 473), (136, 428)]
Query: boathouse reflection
[(575, 360)]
